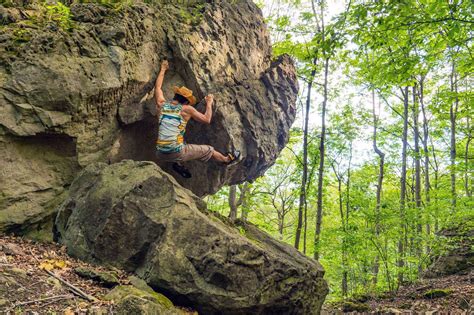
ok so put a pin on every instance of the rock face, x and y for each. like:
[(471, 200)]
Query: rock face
[(71, 97), (135, 216), (459, 257)]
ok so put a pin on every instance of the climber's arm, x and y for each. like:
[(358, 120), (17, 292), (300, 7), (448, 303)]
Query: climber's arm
[(159, 97), (200, 117)]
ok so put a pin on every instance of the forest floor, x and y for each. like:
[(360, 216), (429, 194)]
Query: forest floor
[(27, 285), (452, 294), (36, 278)]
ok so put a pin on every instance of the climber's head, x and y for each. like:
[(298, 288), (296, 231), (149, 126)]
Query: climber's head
[(184, 96)]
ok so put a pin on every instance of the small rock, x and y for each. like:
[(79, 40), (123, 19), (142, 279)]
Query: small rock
[(3, 302), (132, 304), (18, 272), (121, 292), (107, 278), (436, 293), (12, 249), (140, 284), (54, 282), (465, 305), (354, 307)]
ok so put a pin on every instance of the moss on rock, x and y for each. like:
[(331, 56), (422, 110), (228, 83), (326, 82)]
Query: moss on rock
[(437, 293)]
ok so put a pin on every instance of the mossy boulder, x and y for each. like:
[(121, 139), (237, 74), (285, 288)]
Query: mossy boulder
[(134, 216), (458, 256)]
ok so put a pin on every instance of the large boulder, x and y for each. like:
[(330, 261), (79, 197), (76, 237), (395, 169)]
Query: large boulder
[(457, 256), (134, 216), (80, 93)]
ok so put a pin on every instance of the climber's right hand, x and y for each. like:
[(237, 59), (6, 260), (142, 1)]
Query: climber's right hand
[(209, 99), (165, 65)]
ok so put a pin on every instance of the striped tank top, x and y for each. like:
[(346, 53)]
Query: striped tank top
[(171, 129)]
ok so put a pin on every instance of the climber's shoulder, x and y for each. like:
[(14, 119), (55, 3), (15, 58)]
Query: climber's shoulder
[(187, 111)]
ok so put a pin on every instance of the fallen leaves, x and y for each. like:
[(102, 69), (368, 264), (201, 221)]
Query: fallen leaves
[(51, 264), (26, 284)]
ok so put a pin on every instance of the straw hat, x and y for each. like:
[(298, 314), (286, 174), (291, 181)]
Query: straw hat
[(187, 93)]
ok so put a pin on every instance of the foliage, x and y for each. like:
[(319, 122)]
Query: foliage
[(377, 49), (58, 13)]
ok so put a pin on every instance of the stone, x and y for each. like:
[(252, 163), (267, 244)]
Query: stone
[(349, 306), (11, 249), (436, 293), (107, 278), (72, 98), (458, 257), (122, 291), (54, 282), (134, 216), (392, 311), (130, 299)]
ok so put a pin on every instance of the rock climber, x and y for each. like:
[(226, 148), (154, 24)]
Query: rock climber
[(174, 115)]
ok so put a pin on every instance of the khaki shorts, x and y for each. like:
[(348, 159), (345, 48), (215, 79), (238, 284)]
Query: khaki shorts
[(189, 152)]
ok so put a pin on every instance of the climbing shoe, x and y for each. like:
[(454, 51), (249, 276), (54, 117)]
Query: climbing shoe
[(234, 157), (181, 170)]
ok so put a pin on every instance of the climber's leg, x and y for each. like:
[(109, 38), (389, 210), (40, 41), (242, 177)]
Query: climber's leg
[(199, 152)]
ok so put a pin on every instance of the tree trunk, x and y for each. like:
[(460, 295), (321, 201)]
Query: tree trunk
[(426, 160), (245, 210), (233, 202), (379, 186), (403, 177), (319, 211), (304, 176), (416, 136), (346, 224), (344, 230), (466, 159), (452, 118)]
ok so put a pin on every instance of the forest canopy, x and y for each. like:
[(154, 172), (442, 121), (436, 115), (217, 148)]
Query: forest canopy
[(381, 156)]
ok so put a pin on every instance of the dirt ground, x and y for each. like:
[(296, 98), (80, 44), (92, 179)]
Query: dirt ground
[(420, 297), (26, 287)]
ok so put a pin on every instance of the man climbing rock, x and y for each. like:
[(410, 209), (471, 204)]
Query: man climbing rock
[(174, 115)]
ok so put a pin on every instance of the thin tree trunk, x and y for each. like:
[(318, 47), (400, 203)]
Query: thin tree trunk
[(379, 186), (233, 202), (281, 221), (416, 135), (245, 210), (452, 118), (436, 192), (426, 160), (402, 239), (466, 159), (304, 176), (346, 225), (319, 207)]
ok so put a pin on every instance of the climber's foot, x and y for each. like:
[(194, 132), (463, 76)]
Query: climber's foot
[(233, 157), (181, 170)]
